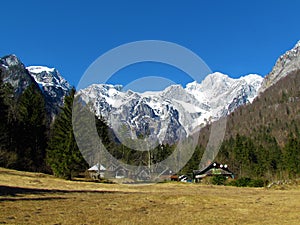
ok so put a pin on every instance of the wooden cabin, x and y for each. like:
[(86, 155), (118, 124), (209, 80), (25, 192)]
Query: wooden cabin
[(213, 169)]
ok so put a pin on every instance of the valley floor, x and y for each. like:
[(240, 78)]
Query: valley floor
[(34, 198)]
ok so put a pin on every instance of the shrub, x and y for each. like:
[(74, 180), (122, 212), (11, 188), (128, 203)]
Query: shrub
[(218, 180), (257, 183), (243, 182), (247, 182)]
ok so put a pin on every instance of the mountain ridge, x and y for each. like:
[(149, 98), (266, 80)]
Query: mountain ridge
[(195, 105), (285, 64)]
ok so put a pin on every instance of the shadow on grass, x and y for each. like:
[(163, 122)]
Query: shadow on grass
[(14, 199), (17, 193)]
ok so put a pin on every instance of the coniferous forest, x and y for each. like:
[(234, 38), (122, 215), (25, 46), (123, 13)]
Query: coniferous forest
[(24, 129)]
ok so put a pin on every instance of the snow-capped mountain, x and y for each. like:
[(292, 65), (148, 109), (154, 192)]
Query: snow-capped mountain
[(48, 77), (174, 112), (52, 84), (287, 63)]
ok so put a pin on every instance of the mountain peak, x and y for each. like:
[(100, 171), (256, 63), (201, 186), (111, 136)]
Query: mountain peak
[(46, 76), (10, 60), (252, 78), (52, 84), (294, 52), (39, 69), (286, 63), (218, 75)]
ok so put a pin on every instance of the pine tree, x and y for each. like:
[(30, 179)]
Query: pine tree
[(63, 154), (3, 116), (32, 133), (3, 126), (292, 156), (8, 157)]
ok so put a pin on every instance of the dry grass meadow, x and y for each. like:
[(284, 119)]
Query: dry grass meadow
[(33, 198)]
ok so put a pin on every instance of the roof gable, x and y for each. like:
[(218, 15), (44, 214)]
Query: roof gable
[(97, 167), (214, 169)]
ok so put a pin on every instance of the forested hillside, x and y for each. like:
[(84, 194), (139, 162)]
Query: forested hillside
[(262, 139)]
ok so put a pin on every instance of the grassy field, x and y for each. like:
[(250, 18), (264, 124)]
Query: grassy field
[(33, 198)]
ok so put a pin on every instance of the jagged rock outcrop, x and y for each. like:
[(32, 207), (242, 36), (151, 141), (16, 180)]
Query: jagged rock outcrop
[(287, 63)]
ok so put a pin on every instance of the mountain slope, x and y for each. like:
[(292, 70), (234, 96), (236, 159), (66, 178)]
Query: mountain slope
[(287, 63), (276, 110), (175, 112)]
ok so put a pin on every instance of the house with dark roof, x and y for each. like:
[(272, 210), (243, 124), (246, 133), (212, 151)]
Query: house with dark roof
[(121, 172), (142, 173), (213, 169)]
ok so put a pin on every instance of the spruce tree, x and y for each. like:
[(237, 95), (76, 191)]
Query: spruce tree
[(63, 154), (3, 126), (3, 116), (8, 157), (32, 133), (292, 156)]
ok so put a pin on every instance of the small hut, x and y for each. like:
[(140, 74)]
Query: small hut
[(97, 171)]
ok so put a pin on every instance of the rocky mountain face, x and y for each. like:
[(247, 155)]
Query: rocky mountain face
[(287, 63), (52, 85), (175, 112), (14, 72)]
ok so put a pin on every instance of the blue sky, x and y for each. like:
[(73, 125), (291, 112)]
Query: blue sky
[(233, 37)]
